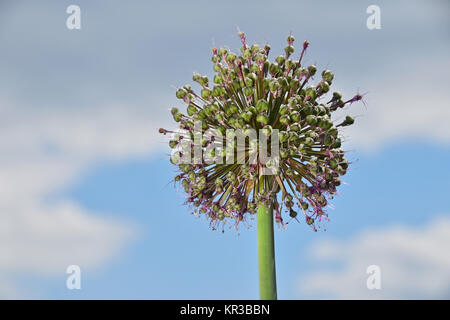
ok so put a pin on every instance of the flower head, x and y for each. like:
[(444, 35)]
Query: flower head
[(265, 103)]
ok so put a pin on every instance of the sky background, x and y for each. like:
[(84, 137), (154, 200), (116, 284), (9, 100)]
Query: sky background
[(84, 175)]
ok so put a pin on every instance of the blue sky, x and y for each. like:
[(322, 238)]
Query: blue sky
[(84, 174)]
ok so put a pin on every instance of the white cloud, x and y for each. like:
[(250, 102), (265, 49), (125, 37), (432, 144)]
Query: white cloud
[(415, 263), (44, 151)]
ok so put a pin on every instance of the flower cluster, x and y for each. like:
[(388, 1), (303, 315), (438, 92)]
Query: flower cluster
[(248, 92)]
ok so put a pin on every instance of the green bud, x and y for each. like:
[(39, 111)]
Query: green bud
[(311, 120), (177, 117), (280, 60), (231, 57), (218, 79), (312, 70), (311, 92), (248, 91), (327, 75), (274, 85), (309, 141), (261, 118), (173, 144), (248, 81), (337, 143), (283, 136), (181, 93), (283, 109), (247, 116), (262, 105), (292, 213), (267, 130), (284, 119), (191, 109), (349, 120), (289, 49), (295, 116), (324, 86), (232, 109), (274, 68), (337, 95), (206, 93), (294, 127), (290, 64), (328, 140)]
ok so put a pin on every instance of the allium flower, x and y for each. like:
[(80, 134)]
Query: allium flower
[(276, 101), (250, 92)]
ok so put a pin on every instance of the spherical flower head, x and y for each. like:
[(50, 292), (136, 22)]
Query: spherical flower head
[(224, 150)]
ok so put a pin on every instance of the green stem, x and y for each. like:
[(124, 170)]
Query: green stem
[(266, 254)]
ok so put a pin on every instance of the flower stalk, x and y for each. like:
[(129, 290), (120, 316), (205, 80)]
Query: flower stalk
[(266, 253)]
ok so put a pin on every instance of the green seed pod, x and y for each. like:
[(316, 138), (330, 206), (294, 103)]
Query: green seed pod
[(196, 77), (312, 69), (267, 130), (292, 213), (247, 54), (219, 117), (328, 140), (289, 50), (309, 141), (191, 109), (181, 93), (274, 68), (311, 92), (247, 116), (262, 105), (283, 109), (232, 109), (295, 116), (222, 51), (290, 64), (177, 117), (349, 120), (173, 144), (285, 119), (261, 118), (206, 93), (311, 120), (218, 79), (294, 127), (337, 95), (231, 57), (274, 85), (254, 68), (333, 164), (324, 86), (248, 81), (283, 136), (280, 60), (327, 75), (337, 143), (175, 158), (248, 91), (254, 48)]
